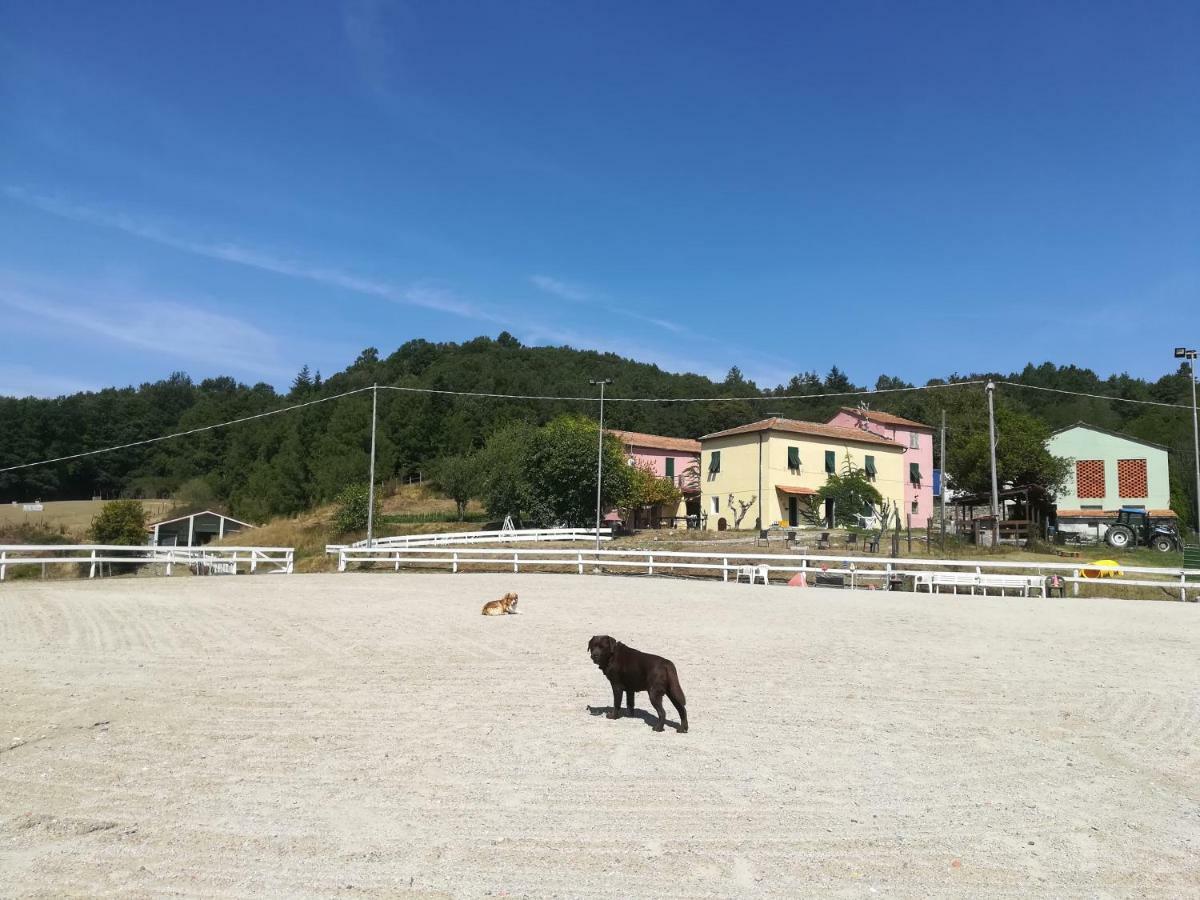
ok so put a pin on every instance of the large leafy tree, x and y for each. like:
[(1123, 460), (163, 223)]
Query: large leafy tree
[(646, 489), (458, 477)]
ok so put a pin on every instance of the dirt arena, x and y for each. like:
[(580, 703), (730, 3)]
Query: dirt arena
[(342, 735)]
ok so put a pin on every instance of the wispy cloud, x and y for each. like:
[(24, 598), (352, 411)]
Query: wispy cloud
[(419, 295), (180, 331), (559, 288)]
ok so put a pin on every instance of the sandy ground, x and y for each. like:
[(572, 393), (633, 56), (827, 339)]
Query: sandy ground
[(341, 735)]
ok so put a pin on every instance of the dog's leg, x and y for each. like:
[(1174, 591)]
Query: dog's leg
[(681, 709), (656, 699), (629, 701), (616, 707)]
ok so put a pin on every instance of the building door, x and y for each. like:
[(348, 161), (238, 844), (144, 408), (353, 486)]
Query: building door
[(829, 513), (793, 517)]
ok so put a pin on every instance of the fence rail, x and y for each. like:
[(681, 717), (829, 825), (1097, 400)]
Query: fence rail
[(523, 535), (858, 570), (204, 560)]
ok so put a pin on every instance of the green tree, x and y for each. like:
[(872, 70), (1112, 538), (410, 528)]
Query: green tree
[(560, 472), (646, 489), (503, 477), (119, 522), (1021, 454), (851, 492), (458, 478), (352, 509)]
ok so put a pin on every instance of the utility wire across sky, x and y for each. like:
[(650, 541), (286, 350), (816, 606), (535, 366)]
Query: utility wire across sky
[(772, 398)]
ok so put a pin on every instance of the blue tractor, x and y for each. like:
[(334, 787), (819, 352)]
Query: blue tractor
[(1134, 526)]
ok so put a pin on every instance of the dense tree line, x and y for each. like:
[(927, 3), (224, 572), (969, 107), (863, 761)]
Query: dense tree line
[(286, 463)]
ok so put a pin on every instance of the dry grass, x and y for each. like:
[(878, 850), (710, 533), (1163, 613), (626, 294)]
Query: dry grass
[(71, 517), (421, 499)]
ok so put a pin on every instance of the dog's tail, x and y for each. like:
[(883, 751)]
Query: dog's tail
[(674, 691)]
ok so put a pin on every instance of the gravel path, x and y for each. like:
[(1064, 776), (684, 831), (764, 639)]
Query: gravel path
[(327, 735)]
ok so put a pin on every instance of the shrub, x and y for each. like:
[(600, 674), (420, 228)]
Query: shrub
[(352, 505), (120, 522)]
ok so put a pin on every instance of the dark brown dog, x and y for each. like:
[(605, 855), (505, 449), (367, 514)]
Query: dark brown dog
[(631, 671)]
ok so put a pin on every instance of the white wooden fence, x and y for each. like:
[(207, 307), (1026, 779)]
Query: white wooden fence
[(524, 535), (857, 571), (203, 560)]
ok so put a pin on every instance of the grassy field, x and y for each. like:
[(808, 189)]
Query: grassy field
[(71, 517)]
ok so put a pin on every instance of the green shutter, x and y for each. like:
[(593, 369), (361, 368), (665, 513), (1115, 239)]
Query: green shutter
[(670, 467), (914, 473), (870, 465), (714, 462), (793, 457), (830, 462)]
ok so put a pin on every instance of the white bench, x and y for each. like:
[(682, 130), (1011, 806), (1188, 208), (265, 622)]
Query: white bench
[(971, 581), (752, 572), (953, 580), (1022, 583)]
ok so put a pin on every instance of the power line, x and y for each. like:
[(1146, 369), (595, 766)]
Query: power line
[(1037, 387), (770, 398), (167, 437)]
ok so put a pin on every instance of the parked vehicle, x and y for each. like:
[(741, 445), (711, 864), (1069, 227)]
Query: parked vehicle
[(1134, 527)]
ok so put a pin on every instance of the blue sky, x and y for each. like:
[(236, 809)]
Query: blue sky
[(916, 189)]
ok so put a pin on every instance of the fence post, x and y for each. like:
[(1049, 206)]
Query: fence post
[(1182, 586), (725, 568), (1075, 584), (92, 568), (579, 560), (3, 567), (650, 568), (253, 561), (515, 569), (396, 560), (342, 559), (453, 563), (170, 561), (291, 556)]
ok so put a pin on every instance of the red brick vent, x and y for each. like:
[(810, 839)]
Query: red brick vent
[(1089, 478), (1131, 478)]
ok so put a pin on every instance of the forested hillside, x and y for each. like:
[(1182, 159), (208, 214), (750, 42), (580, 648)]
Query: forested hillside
[(288, 462)]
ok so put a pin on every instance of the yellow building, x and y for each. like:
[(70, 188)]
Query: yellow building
[(785, 462)]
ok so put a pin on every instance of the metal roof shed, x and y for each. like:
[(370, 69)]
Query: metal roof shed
[(194, 529)]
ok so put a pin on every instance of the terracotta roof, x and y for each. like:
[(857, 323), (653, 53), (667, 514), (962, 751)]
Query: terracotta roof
[(1110, 514), (795, 489), (813, 429), (657, 441), (884, 418)]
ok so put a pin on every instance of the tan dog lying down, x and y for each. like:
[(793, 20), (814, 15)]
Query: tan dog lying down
[(506, 605)]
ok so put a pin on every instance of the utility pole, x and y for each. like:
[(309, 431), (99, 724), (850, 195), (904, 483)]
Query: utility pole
[(942, 461), (371, 484), (599, 454), (991, 390), (1190, 356)]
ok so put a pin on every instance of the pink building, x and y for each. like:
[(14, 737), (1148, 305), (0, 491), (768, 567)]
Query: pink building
[(668, 457), (917, 439)]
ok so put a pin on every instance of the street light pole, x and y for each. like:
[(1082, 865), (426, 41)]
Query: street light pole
[(991, 390), (371, 477), (599, 454), (1190, 356)]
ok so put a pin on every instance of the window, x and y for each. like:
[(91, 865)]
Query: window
[(794, 458), (830, 462), (1131, 478), (914, 473), (670, 464), (716, 505), (869, 468), (914, 440), (914, 506), (1089, 478), (1093, 506), (714, 463)]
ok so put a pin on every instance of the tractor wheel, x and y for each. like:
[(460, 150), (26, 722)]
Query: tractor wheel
[(1164, 544), (1119, 537)]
